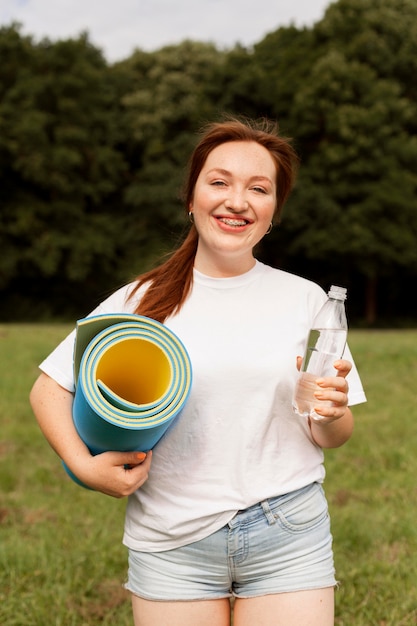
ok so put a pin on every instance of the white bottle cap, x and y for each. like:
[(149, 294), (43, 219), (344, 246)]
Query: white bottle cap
[(338, 293)]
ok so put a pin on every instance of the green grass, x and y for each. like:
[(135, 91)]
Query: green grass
[(371, 486), (61, 558)]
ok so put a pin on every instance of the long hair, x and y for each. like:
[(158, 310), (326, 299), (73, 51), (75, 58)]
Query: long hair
[(169, 284)]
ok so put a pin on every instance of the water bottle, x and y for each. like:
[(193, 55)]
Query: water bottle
[(325, 345)]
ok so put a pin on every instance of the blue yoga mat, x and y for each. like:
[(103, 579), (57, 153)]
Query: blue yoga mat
[(132, 378)]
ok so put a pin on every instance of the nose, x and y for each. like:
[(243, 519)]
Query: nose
[(236, 201)]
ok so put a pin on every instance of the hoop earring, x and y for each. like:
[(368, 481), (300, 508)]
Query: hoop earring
[(191, 217), (269, 228)]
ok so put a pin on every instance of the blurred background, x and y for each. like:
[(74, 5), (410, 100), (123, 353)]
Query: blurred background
[(93, 153)]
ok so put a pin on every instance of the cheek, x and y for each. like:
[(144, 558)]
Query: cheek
[(268, 212), (201, 203)]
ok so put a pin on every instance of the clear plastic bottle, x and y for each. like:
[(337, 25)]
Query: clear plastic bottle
[(326, 343)]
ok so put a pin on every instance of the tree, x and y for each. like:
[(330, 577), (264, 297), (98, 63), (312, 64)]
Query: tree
[(92, 157), (166, 106), (283, 62), (235, 86), (60, 166), (356, 120)]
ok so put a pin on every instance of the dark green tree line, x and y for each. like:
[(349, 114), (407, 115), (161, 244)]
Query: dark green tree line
[(62, 172), (353, 114), (92, 155)]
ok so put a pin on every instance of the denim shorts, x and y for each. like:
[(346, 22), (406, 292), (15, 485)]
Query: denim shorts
[(279, 545)]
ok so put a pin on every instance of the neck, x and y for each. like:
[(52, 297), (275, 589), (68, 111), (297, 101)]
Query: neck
[(223, 268)]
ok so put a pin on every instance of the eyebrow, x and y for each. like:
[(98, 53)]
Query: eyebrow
[(220, 170)]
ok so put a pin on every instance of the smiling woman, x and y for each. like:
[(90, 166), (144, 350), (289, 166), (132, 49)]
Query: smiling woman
[(169, 284), (233, 205), (230, 502)]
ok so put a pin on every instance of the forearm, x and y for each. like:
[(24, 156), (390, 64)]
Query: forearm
[(332, 434)]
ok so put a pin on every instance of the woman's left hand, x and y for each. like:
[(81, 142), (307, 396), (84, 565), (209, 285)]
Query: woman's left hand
[(331, 425), (333, 389)]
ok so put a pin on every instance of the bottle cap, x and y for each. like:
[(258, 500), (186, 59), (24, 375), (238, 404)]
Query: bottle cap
[(338, 293)]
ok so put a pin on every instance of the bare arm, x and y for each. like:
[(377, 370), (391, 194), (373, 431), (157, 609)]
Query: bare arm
[(52, 406)]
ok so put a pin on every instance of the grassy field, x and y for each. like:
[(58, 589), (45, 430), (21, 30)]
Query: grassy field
[(61, 558)]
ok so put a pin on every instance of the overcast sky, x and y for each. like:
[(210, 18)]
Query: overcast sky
[(117, 27)]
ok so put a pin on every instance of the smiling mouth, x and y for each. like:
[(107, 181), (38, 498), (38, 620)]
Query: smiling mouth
[(233, 222)]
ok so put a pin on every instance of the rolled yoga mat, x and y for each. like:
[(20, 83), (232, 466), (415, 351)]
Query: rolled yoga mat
[(132, 378)]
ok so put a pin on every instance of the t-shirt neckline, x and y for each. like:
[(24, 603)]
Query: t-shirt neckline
[(231, 281)]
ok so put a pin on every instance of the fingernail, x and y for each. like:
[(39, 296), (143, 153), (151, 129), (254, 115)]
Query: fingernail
[(141, 456)]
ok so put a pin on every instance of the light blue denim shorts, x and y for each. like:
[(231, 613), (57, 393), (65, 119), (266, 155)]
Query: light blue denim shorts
[(279, 545)]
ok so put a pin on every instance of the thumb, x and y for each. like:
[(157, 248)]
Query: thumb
[(343, 367)]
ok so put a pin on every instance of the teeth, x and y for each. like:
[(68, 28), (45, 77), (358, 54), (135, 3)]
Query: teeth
[(231, 222)]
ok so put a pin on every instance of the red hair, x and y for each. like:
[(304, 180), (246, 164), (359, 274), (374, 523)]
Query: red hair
[(169, 283)]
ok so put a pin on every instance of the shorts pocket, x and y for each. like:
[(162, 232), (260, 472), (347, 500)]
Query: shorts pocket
[(305, 511)]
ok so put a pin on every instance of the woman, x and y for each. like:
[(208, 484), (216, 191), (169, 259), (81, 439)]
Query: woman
[(230, 501)]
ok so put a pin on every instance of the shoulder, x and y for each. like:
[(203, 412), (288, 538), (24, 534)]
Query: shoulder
[(284, 291), (123, 300), (287, 280)]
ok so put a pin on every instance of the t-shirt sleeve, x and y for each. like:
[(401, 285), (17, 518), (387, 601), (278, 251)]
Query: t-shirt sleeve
[(59, 364), (356, 392)]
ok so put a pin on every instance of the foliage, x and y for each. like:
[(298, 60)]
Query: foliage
[(354, 116), (358, 140), (59, 129), (166, 104), (92, 156)]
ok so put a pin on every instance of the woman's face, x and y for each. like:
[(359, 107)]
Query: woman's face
[(233, 205)]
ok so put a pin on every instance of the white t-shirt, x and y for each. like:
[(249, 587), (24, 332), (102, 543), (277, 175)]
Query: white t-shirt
[(237, 441)]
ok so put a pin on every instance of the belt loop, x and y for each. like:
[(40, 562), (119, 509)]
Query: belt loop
[(268, 513)]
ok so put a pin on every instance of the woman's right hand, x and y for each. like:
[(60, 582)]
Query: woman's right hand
[(116, 474)]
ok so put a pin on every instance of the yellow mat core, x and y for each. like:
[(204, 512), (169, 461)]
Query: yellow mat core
[(119, 371)]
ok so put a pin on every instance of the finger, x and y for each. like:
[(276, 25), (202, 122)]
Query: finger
[(128, 459), (136, 475), (333, 382), (341, 385), (145, 463), (343, 367), (299, 361)]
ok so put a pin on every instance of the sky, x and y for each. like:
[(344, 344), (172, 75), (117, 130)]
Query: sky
[(117, 27)]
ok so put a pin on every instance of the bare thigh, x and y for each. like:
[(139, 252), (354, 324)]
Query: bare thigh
[(298, 608), (190, 613)]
